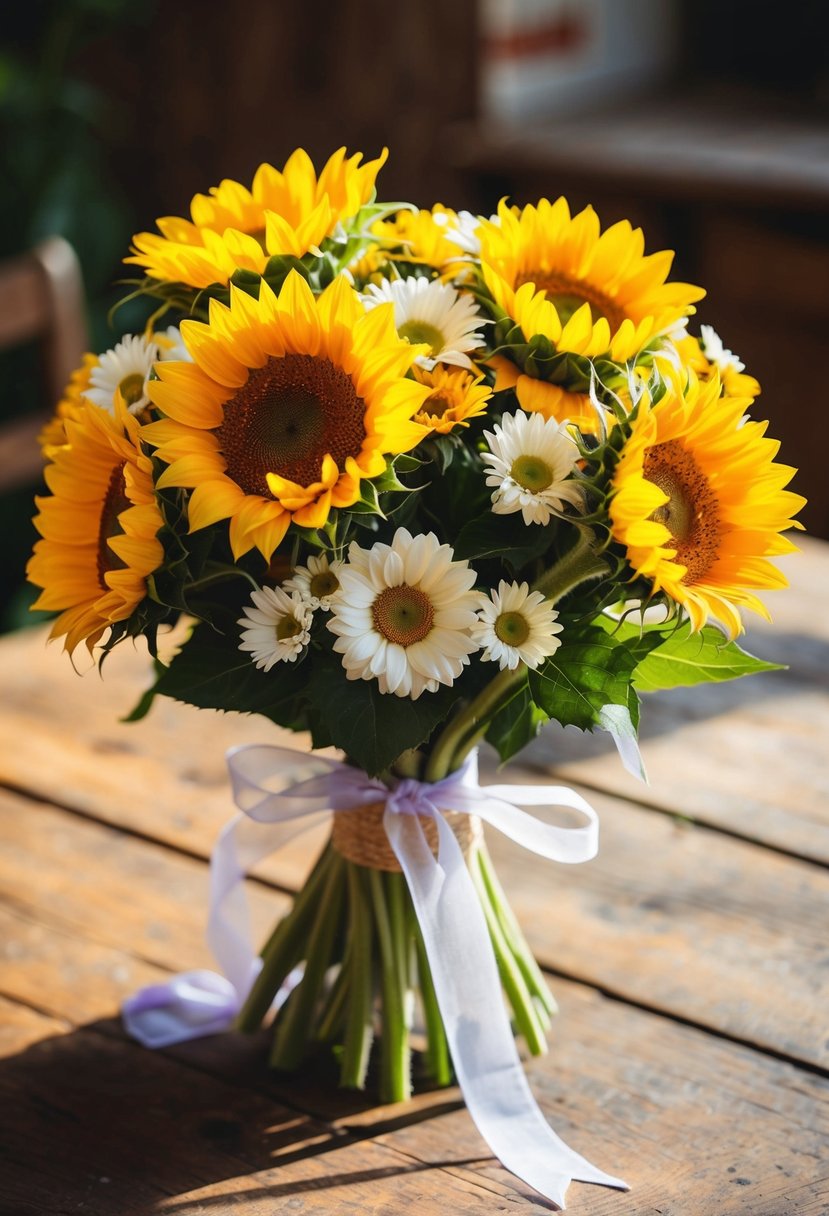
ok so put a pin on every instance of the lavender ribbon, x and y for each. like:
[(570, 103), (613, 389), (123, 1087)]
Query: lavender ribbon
[(455, 934)]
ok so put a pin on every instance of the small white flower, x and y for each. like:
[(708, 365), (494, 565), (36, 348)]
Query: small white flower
[(434, 314), (277, 628), (516, 625), (171, 346), (126, 368), (714, 351), (462, 230), (317, 582), (530, 462), (403, 614)]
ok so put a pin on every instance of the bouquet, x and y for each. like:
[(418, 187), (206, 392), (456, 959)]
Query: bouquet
[(414, 479)]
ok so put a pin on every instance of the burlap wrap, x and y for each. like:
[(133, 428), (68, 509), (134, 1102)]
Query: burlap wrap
[(360, 837)]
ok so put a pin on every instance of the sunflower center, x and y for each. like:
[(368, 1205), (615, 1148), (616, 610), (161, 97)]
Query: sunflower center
[(570, 294), (512, 629), (692, 512), (437, 406), (115, 501), (288, 627), (324, 583), (286, 418), (532, 473), (403, 614), (131, 388), (418, 332)]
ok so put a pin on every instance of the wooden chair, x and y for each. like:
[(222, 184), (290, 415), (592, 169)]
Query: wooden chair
[(41, 297)]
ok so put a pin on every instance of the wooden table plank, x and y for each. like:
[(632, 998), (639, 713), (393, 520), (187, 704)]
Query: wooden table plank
[(669, 915), (679, 1113), (97, 1124)]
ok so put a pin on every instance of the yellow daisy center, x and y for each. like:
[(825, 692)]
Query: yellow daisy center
[(512, 629), (569, 294), (324, 583), (403, 614), (691, 514), (532, 473), (288, 627), (286, 418), (421, 332), (131, 388), (115, 501)]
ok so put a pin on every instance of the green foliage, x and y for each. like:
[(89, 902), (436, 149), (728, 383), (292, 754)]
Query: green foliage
[(516, 724), (687, 658), (372, 728)]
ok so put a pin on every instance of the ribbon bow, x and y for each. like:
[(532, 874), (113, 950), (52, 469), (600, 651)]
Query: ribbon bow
[(455, 935)]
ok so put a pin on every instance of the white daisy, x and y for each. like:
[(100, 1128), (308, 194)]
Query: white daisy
[(171, 346), (125, 368), (317, 582), (516, 625), (462, 230), (277, 628), (433, 314), (714, 351), (403, 614), (530, 462)]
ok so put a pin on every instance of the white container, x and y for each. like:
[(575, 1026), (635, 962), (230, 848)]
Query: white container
[(542, 58)]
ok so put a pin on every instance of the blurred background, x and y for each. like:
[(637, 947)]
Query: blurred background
[(704, 121)]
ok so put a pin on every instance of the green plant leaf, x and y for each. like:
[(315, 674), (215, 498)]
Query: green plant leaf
[(212, 673), (371, 727), (686, 658), (506, 537), (515, 725), (588, 672)]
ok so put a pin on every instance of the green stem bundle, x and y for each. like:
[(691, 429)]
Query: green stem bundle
[(366, 972)]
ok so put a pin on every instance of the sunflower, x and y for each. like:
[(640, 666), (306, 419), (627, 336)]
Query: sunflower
[(71, 405), (233, 227), (707, 356), (424, 238), (290, 402), (590, 292), (98, 527), (549, 400), (455, 396), (700, 504)]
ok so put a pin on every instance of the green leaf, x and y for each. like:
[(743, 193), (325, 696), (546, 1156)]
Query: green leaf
[(687, 658), (588, 672), (516, 725), (506, 537), (212, 673), (371, 727)]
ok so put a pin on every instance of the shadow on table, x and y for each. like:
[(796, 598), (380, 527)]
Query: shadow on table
[(94, 1122)]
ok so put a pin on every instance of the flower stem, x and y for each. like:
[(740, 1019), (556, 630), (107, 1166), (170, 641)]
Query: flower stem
[(526, 1015), (358, 1023), (458, 736), (395, 1071), (578, 566), (437, 1050), (285, 947), (294, 1025)]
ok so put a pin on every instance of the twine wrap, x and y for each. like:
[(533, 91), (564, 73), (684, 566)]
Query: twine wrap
[(360, 836)]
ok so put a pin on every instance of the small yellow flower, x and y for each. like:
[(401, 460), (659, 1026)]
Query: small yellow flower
[(71, 405), (455, 396)]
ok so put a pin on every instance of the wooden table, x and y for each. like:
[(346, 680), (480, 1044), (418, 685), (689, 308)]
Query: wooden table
[(690, 961)]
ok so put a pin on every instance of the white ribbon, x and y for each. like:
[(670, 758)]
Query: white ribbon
[(448, 910)]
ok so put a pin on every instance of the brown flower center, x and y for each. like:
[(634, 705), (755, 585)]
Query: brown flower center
[(324, 583), (286, 418), (569, 294), (437, 406), (115, 501), (403, 614), (692, 512)]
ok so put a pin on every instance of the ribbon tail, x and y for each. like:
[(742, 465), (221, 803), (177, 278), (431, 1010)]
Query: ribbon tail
[(468, 990)]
